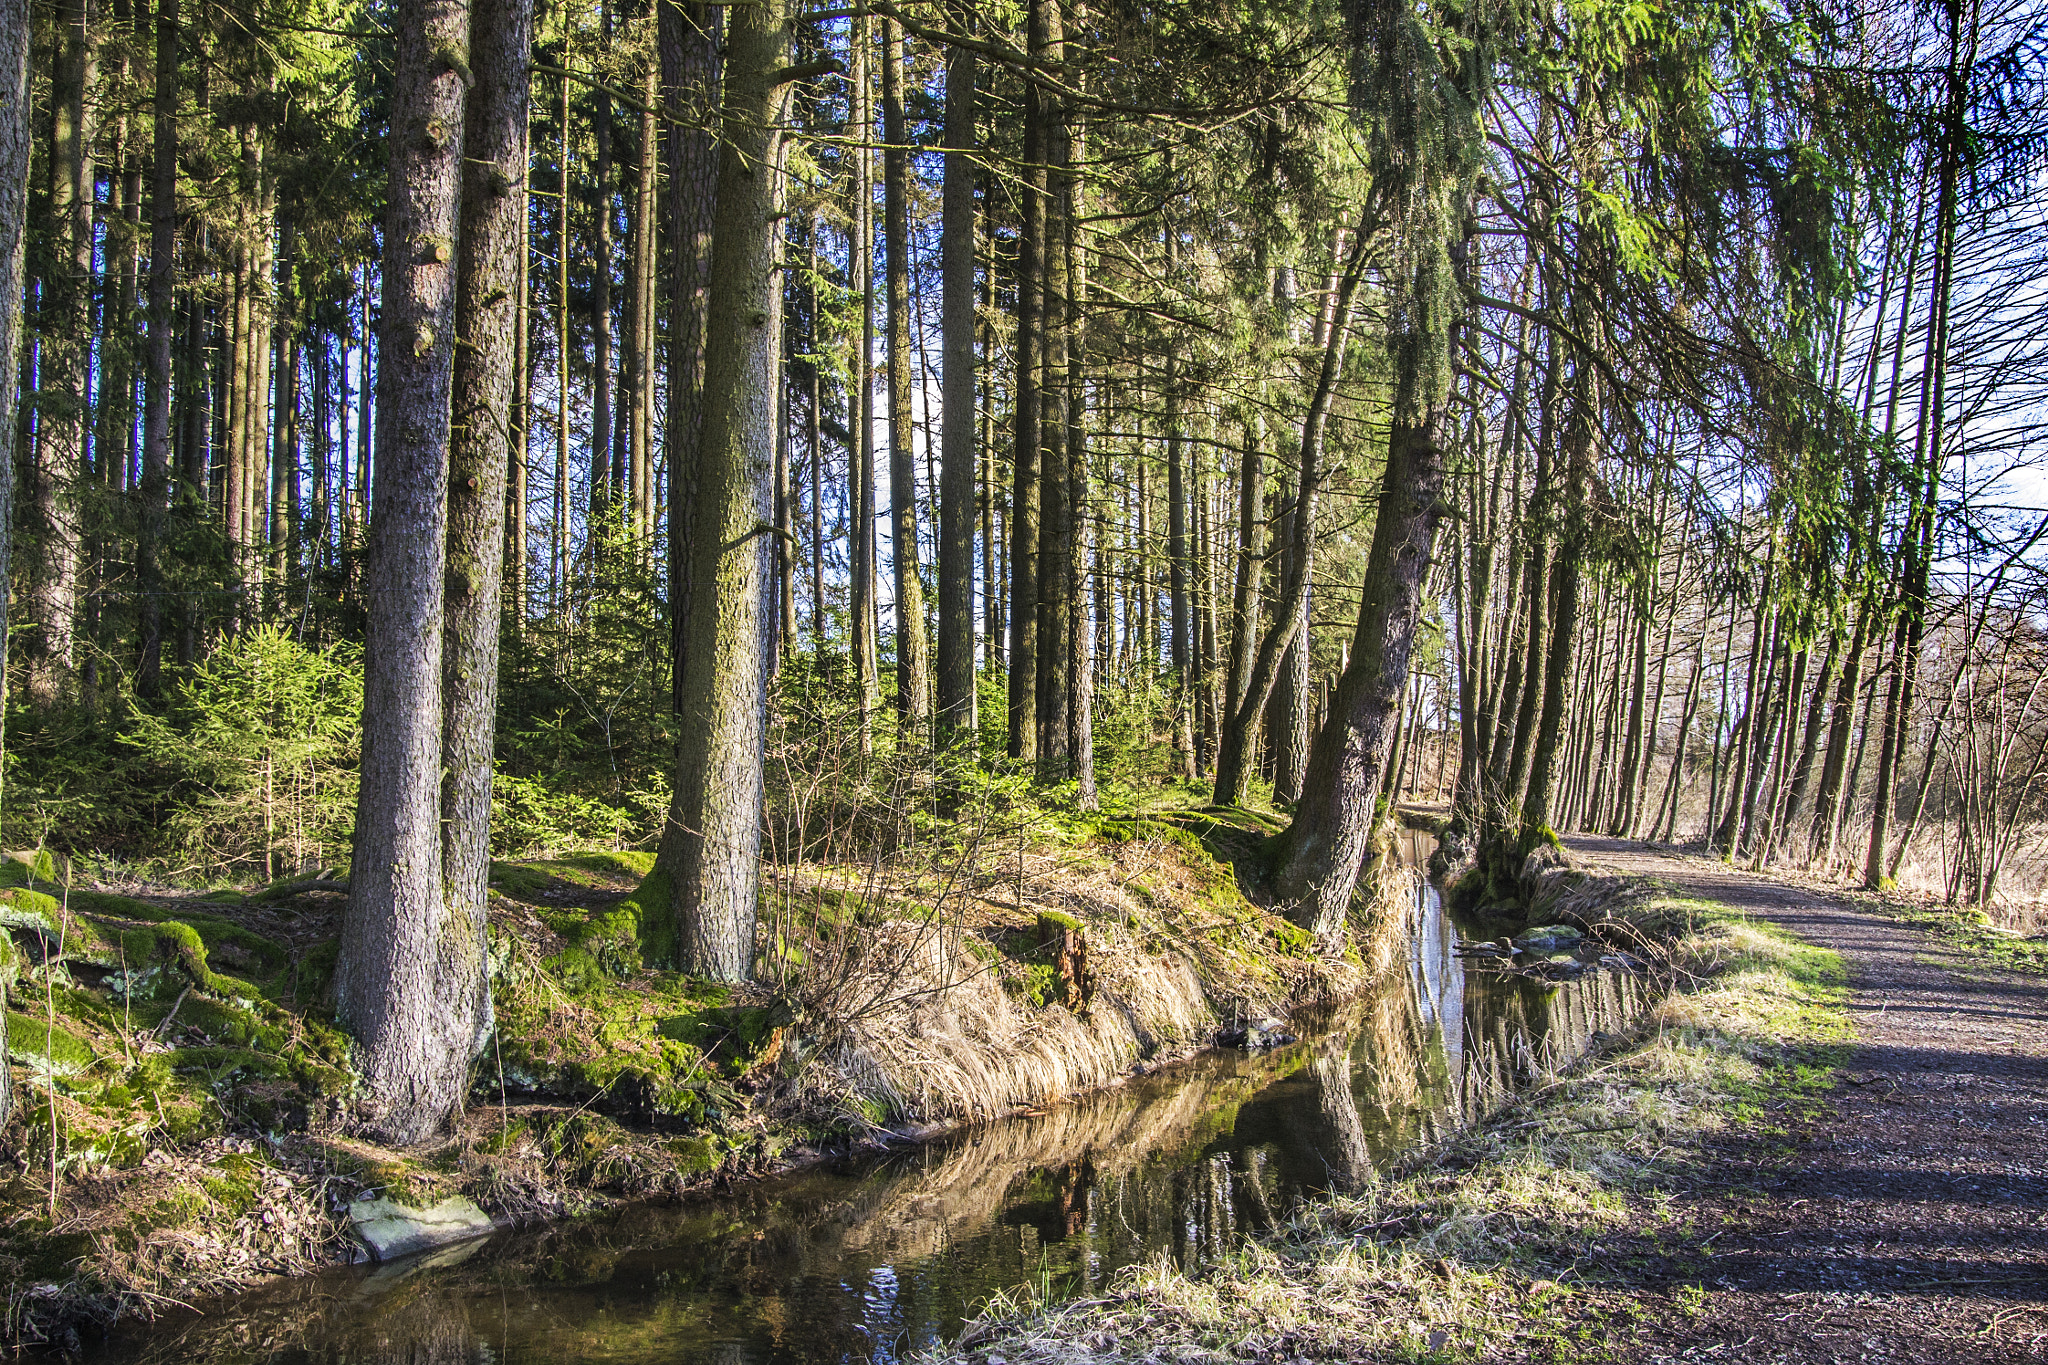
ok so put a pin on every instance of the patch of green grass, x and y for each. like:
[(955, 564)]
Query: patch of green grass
[(1967, 931)]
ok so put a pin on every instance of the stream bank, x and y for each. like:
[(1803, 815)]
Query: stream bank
[(883, 1256), (184, 1087), (1494, 1242)]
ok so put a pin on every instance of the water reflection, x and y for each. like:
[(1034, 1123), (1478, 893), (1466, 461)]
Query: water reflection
[(873, 1261)]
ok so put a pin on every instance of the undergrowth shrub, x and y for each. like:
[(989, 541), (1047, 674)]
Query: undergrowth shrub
[(259, 742)]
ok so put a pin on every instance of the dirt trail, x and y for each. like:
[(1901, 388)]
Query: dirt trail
[(1909, 1222)]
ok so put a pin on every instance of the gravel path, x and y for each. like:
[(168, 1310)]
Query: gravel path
[(1910, 1222)]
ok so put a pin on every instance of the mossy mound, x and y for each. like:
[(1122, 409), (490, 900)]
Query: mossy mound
[(42, 1044), (28, 868)]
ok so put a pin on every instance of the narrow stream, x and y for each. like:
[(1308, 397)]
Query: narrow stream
[(876, 1259)]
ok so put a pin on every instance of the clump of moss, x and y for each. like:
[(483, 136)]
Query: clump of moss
[(517, 879), (620, 863), (28, 867), (42, 1044)]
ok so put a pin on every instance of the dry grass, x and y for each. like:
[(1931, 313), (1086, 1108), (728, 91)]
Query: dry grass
[(912, 1019), (1471, 1246)]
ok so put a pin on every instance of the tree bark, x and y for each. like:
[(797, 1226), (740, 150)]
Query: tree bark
[(1080, 696), (709, 861), (50, 595), (156, 401), (1025, 405), (645, 212), (860, 549), (1236, 730), (1324, 847), (1056, 526), (491, 257), (14, 173), (913, 651), (1547, 741), (1262, 668), (602, 506), (956, 708), (409, 981), (689, 35)]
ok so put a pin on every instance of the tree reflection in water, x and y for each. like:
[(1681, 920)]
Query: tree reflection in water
[(874, 1260)]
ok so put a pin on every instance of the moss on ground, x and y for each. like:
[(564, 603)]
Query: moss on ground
[(1473, 1249)]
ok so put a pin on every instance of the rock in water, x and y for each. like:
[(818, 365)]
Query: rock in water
[(1256, 1037), (391, 1229), (1549, 938)]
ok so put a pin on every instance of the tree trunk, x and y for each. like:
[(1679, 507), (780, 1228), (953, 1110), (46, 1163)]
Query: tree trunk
[(1924, 488), (913, 661), (956, 709), (1080, 698), (1181, 617), (156, 401), (283, 429), (644, 287), (1634, 749), (602, 509), (558, 551), (709, 862), (689, 35), (1827, 802), (14, 173), (860, 548), (1675, 775), (521, 417), (1024, 457), (1236, 731), (1263, 667), (50, 594), (1324, 847), (491, 256), (1056, 515), (1546, 743), (409, 981)]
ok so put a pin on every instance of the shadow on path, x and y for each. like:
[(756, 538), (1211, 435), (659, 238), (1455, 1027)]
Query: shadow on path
[(1910, 1222)]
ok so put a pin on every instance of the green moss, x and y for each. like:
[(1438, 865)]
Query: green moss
[(517, 879), (25, 908), (694, 1155), (1037, 984), (32, 1041), (219, 1064), (650, 909), (28, 867), (310, 973), (1292, 938), (1058, 918), (581, 1137), (156, 958), (623, 863), (214, 933)]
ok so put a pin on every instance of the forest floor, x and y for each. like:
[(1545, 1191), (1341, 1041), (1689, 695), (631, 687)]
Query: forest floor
[(1907, 1217)]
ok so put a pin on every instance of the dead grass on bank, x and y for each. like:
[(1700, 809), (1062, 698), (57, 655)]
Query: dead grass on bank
[(1475, 1246), (926, 1017), (906, 986)]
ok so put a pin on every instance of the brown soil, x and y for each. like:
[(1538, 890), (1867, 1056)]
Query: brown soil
[(1908, 1219)]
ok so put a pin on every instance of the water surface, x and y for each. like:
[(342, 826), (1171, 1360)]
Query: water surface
[(872, 1260)]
